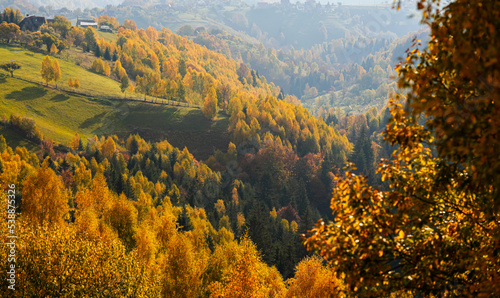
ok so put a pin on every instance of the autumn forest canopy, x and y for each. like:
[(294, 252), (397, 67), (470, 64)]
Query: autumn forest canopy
[(220, 161)]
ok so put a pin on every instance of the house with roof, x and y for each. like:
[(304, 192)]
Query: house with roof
[(84, 23), (32, 23)]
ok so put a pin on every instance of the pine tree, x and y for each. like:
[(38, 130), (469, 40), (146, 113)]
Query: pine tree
[(107, 54), (362, 155), (182, 67), (181, 91), (258, 224), (97, 51)]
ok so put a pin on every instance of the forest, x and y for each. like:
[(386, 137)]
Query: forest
[(302, 200)]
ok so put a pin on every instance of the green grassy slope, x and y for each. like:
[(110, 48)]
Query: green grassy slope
[(60, 115), (108, 36), (31, 64), (57, 114)]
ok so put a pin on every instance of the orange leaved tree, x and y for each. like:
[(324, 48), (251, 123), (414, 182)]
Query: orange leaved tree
[(435, 230)]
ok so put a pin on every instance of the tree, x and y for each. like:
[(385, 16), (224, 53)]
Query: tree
[(433, 232), (70, 82), (90, 38), (98, 66), (53, 49), (10, 67), (210, 105), (182, 67), (112, 22), (107, 54), (124, 83), (181, 91), (246, 275), (186, 30), (76, 141), (118, 70), (243, 72), (76, 83), (3, 144), (107, 69), (97, 51), (44, 197), (183, 268), (61, 25), (49, 40), (130, 24), (56, 70), (313, 279), (9, 31), (47, 70), (76, 36), (11, 16), (362, 155)]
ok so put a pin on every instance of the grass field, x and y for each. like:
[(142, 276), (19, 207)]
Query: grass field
[(60, 115), (108, 36), (31, 64), (57, 114)]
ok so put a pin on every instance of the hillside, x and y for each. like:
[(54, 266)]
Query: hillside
[(89, 116), (261, 154), (401, 200), (90, 83)]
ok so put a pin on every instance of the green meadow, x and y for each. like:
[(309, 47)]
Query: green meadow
[(60, 115), (31, 64)]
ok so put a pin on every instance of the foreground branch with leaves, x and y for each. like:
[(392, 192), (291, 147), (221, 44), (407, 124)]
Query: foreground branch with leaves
[(435, 231)]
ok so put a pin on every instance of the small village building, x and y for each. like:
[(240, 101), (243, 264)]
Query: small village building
[(84, 23), (32, 23)]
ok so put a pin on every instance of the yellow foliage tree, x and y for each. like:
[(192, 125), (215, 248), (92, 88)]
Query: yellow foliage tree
[(246, 275), (146, 244), (75, 143), (52, 260), (118, 70), (44, 197), (97, 66), (313, 279), (434, 229), (56, 71), (183, 268), (47, 71), (107, 69), (210, 105), (122, 217), (53, 49), (240, 221), (219, 206), (108, 149)]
